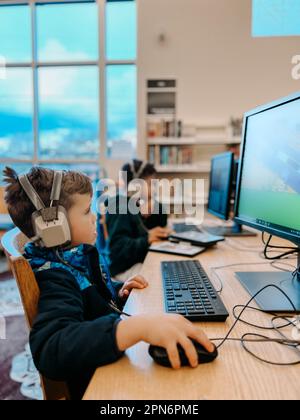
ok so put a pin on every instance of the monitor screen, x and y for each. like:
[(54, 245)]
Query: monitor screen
[(221, 179), (269, 175)]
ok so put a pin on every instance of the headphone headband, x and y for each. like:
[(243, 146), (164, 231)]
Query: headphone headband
[(31, 193), (56, 187)]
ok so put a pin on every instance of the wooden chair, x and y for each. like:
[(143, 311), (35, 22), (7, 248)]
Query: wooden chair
[(3, 208), (13, 243)]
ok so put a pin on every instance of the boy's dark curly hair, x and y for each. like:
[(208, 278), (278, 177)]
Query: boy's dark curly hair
[(20, 207)]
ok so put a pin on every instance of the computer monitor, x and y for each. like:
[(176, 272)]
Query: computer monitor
[(223, 177), (268, 191), (220, 190)]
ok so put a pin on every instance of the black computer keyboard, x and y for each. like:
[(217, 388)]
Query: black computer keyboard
[(183, 227), (189, 292)]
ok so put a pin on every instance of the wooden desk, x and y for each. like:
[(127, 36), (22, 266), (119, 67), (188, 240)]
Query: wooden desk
[(234, 375)]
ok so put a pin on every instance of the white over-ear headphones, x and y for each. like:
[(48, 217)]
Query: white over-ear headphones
[(50, 224)]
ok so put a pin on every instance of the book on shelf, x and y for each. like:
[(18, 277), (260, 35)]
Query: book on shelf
[(152, 155), (164, 128), (173, 155)]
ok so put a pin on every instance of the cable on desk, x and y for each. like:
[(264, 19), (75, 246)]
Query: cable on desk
[(291, 320), (244, 339), (240, 247), (214, 271), (266, 251), (275, 264), (288, 343), (272, 263), (292, 250), (271, 328), (263, 253), (275, 246)]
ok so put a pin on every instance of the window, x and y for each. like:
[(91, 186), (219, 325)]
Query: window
[(121, 111), (68, 112), (276, 18), (16, 114), (121, 79), (15, 33), (50, 99), (121, 30), (67, 32)]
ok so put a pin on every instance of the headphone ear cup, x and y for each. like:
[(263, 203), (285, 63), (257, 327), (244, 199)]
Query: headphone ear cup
[(54, 233)]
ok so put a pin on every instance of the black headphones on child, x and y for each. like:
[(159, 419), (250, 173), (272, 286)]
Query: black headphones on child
[(138, 173)]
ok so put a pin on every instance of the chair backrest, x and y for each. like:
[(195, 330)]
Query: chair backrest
[(3, 208), (13, 243)]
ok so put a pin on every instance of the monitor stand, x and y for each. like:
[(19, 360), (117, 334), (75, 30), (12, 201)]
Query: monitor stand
[(271, 300), (236, 230)]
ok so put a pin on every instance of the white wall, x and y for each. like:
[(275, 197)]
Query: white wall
[(221, 70)]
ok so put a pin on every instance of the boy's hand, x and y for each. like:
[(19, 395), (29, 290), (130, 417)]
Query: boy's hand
[(137, 282), (166, 331)]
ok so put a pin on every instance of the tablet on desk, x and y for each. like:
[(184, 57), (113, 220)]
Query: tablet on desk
[(197, 238), (182, 249)]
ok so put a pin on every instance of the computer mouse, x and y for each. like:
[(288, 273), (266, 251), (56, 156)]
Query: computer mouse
[(160, 355)]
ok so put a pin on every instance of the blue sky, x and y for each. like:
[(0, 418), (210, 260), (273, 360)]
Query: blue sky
[(68, 96), (276, 18)]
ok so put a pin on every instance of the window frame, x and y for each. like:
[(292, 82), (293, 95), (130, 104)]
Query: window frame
[(102, 63)]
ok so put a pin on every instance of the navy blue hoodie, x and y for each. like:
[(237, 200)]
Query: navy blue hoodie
[(75, 330)]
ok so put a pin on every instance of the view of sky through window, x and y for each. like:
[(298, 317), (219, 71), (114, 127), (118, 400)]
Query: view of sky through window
[(67, 81)]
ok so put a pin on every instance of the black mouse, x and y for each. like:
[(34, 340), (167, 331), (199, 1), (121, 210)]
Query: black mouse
[(160, 355)]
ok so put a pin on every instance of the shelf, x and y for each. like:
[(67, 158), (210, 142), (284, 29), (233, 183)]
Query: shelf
[(200, 168), (162, 89), (162, 116), (190, 141)]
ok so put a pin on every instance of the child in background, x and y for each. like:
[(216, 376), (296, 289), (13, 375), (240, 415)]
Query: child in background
[(130, 235)]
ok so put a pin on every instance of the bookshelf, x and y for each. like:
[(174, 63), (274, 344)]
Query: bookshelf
[(190, 141), (182, 149), (184, 169)]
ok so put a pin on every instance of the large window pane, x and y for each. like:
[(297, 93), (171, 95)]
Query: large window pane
[(69, 113), (15, 29), (121, 30), (16, 114), (276, 18), (67, 32), (121, 111)]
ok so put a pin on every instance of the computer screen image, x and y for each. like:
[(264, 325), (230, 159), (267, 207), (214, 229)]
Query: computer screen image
[(268, 191), (269, 185), (221, 194)]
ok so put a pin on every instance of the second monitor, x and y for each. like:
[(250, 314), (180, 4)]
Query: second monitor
[(223, 177)]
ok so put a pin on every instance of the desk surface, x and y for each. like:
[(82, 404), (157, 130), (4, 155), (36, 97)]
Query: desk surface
[(234, 375)]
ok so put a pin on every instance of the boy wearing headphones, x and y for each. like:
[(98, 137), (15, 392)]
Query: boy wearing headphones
[(78, 326), (130, 235)]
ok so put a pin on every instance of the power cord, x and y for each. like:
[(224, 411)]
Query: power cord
[(274, 246), (214, 270), (278, 257), (241, 247), (260, 338)]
